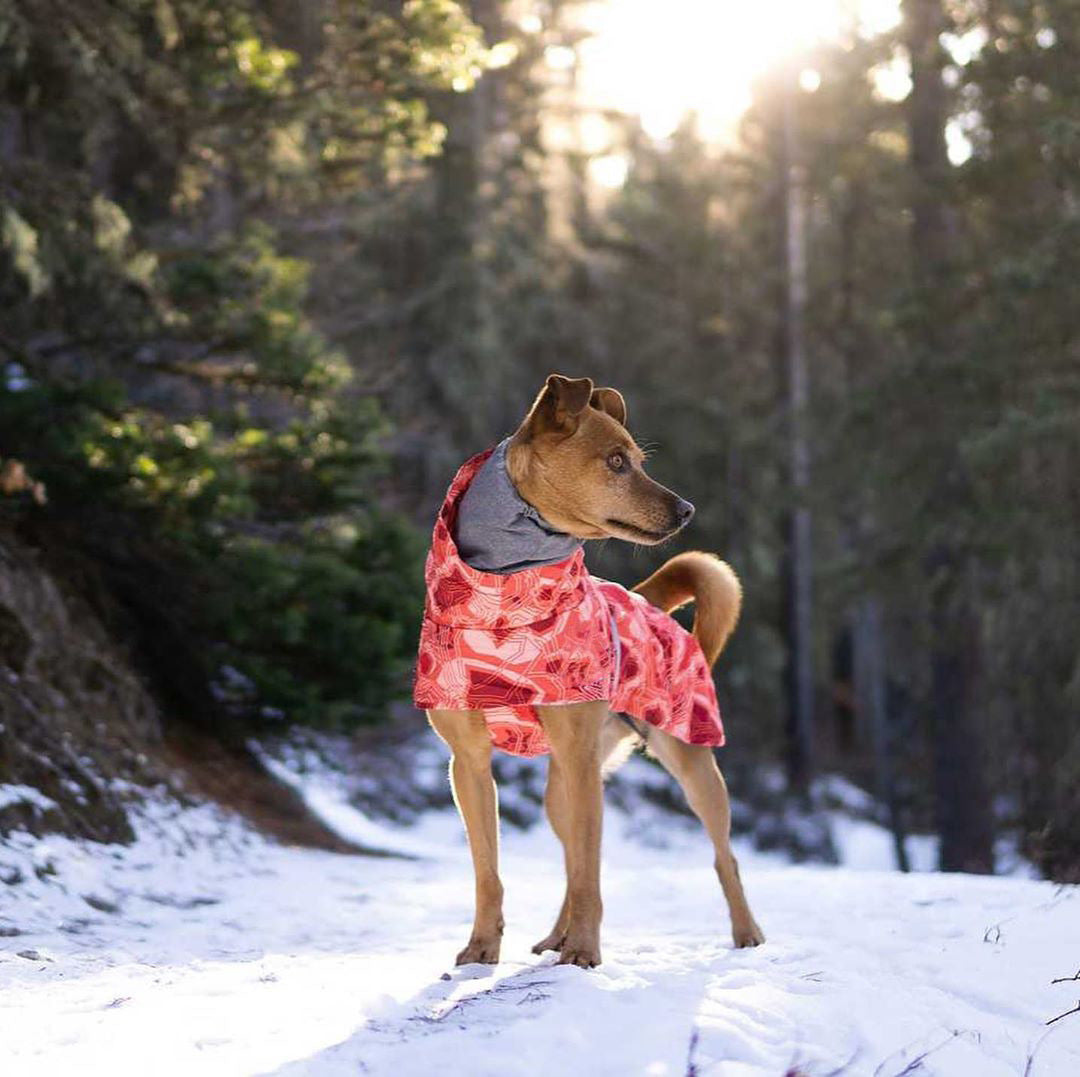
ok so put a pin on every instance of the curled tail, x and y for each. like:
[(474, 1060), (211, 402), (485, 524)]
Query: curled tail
[(712, 586)]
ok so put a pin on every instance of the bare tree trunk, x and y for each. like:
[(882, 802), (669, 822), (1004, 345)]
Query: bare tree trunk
[(800, 565), (963, 809), (871, 702), (869, 680)]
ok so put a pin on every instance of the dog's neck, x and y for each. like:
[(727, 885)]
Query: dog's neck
[(498, 531)]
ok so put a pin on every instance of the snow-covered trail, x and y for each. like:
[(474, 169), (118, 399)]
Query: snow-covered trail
[(242, 957)]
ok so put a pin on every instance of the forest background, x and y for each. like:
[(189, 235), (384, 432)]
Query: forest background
[(270, 271)]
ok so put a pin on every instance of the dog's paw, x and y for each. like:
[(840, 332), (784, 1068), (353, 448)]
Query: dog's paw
[(584, 955), (747, 935), (554, 941), (480, 952)]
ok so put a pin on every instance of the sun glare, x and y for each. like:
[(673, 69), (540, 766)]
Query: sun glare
[(661, 61)]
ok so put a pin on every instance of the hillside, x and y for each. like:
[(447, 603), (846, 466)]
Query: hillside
[(205, 948)]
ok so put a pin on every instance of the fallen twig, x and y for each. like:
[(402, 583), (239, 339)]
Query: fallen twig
[(918, 1060), (691, 1065), (1075, 1009)]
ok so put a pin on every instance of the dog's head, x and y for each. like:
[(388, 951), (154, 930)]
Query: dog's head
[(574, 461)]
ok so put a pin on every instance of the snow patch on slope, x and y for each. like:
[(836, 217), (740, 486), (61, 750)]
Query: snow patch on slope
[(205, 948), (24, 794)]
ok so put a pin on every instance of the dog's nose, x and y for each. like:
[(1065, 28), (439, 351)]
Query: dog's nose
[(683, 512)]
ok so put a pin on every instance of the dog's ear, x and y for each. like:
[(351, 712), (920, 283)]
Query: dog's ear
[(611, 402), (559, 405)]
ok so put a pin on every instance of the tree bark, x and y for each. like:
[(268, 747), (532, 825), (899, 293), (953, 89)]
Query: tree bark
[(800, 564), (872, 704), (962, 804)]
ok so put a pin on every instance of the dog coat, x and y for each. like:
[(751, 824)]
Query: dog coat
[(551, 634)]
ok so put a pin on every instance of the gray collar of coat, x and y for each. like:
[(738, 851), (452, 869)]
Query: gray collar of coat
[(498, 531)]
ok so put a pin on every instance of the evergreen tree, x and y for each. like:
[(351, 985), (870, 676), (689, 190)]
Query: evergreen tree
[(194, 430)]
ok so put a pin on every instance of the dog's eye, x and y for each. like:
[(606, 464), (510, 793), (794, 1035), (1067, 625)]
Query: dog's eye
[(616, 461)]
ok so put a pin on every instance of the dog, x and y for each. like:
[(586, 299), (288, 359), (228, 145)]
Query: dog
[(521, 649)]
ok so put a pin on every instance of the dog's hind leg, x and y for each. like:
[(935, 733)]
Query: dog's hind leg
[(614, 747), (694, 767), (556, 806), (466, 735)]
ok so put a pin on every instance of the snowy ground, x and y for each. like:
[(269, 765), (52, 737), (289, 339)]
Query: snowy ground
[(204, 949)]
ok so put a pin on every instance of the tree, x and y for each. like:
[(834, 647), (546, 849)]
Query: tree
[(964, 811), (203, 452), (800, 568)]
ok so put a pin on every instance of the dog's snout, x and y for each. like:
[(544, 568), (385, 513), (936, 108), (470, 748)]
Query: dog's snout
[(683, 511)]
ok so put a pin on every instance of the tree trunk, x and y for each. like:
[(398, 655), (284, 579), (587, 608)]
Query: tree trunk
[(871, 704), (800, 565), (962, 804)]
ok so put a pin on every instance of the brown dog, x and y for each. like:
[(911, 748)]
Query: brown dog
[(574, 462)]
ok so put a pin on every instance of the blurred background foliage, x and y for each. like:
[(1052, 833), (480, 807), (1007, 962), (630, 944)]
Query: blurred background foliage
[(270, 271)]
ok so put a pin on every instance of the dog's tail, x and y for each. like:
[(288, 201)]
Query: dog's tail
[(712, 586)]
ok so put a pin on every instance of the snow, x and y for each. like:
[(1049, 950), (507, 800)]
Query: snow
[(24, 794), (205, 948), (327, 799), (865, 846)]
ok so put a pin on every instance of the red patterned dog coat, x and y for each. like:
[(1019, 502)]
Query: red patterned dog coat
[(551, 634)]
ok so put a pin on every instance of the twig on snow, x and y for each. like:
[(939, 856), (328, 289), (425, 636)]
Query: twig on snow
[(1075, 1009), (917, 1061), (845, 1067), (1034, 1051), (796, 1068), (691, 1065)]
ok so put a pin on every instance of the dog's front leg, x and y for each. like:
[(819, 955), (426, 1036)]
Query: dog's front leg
[(574, 733), (465, 733)]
